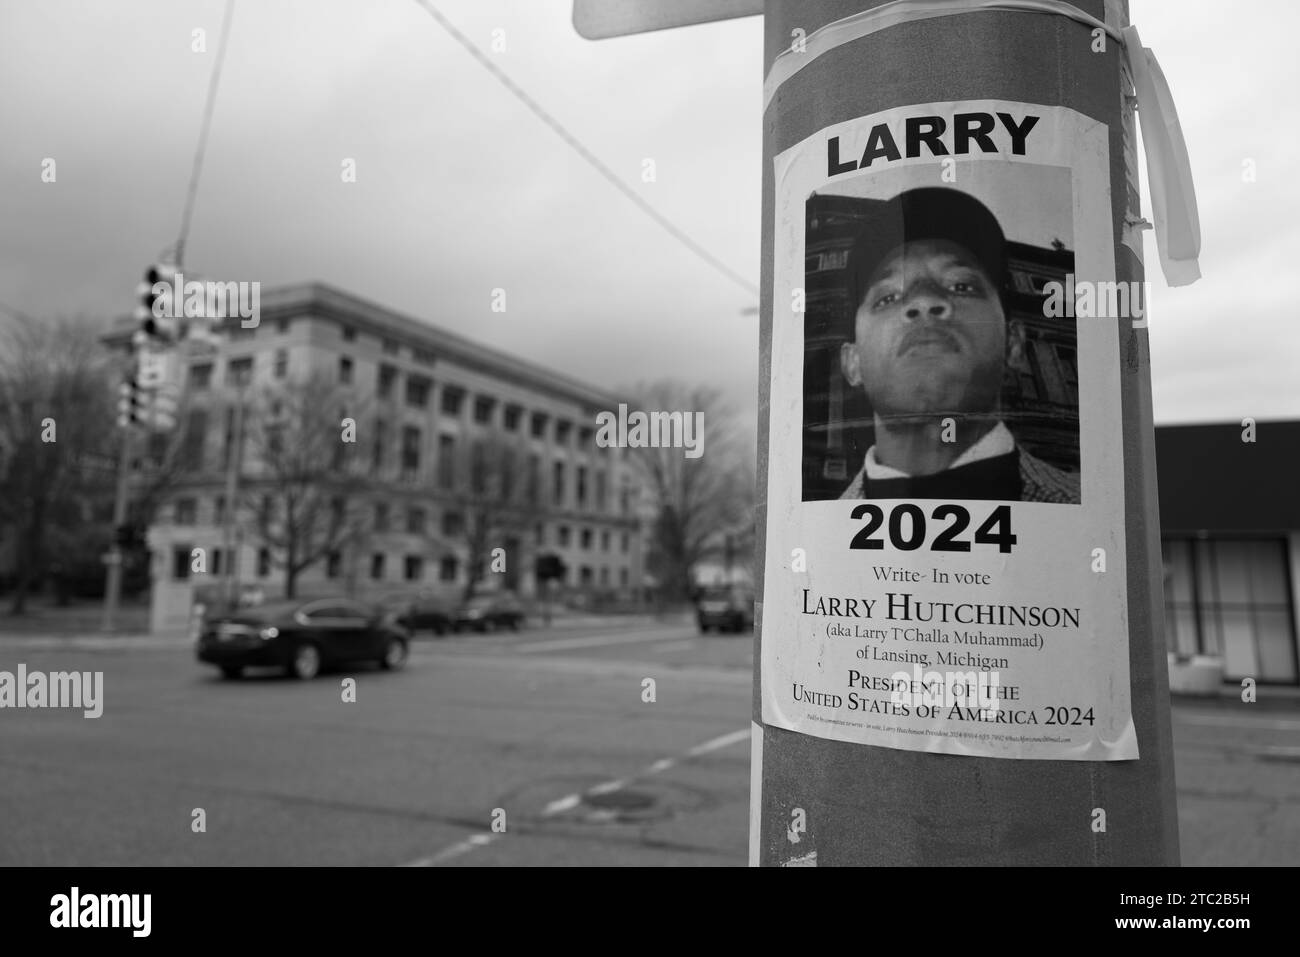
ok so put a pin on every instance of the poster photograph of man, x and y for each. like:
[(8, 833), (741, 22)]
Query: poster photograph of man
[(930, 368)]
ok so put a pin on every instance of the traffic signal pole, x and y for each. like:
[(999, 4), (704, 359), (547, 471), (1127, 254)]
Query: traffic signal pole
[(114, 558), (821, 801)]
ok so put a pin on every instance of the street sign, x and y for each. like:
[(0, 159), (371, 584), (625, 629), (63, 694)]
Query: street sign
[(601, 19)]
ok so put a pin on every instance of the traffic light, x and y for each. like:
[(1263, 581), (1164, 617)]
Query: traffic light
[(157, 310), (130, 403)]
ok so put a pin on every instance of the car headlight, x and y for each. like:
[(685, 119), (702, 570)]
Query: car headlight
[(266, 634)]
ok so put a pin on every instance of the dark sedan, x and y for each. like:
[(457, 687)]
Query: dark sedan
[(424, 614), (302, 637), (489, 612)]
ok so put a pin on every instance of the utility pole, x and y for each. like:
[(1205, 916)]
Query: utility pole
[(927, 164), (821, 801)]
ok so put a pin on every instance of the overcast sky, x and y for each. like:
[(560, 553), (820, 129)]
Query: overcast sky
[(460, 190)]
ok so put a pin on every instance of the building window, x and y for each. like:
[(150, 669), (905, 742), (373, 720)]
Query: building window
[(447, 568), (423, 356), (415, 521), (563, 429), (185, 511), (417, 391), (391, 348), (378, 450), (478, 469), (1231, 598), (263, 562), (585, 436), (194, 443), (1065, 361), (377, 565), (349, 334), (387, 377), (582, 486), (539, 424), (563, 532), (345, 370), (201, 376), (511, 416), (622, 577), (381, 517), (218, 510), (453, 523), (600, 491), (585, 575), (483, 408), (557, 482), (604, 577), (282, 326), (414, 568), (333, 565), (281, 367), (410, 451), (604, 541), (585, 539), (452, 398), (446, 461), (239, 372), (625, 543), (181, 562)]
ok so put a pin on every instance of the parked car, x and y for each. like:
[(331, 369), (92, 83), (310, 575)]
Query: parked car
[(488, 613), (302, 637), (424, 614), (725, 608)]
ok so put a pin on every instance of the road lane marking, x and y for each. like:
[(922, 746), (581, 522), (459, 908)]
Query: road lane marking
[(562, 804), (724, 741), (570, 801)]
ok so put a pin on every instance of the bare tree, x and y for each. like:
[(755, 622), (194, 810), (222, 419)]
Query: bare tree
[(55, 408), (697, 501), (305, 476), (494, 493)]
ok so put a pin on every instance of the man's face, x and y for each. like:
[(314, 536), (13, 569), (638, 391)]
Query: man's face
[(930, 334)]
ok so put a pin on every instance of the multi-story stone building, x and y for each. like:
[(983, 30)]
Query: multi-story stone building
[(430, 394)]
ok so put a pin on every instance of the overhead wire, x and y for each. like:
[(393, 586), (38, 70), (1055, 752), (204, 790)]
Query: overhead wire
[(591, 158)]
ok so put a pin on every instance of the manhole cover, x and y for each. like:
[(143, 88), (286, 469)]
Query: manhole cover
[(620, 800), (587, 802)]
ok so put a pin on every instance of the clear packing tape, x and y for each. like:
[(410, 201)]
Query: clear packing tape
[(1169, 171)]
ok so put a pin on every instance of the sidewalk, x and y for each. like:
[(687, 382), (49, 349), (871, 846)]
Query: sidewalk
[(1267, 697)]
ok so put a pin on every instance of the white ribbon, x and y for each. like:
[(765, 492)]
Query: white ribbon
[(1169, 171)]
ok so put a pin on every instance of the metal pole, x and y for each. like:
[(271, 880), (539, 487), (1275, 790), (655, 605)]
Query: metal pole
[(113, 583), (232, 490), (867, 805)]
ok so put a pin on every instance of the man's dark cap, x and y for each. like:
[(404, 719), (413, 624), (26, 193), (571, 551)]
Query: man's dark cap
[(926, 213)]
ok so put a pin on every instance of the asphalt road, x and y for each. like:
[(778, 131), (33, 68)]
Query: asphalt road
[(544, 733)]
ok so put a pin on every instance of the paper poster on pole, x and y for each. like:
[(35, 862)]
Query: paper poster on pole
[(945, 563)]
